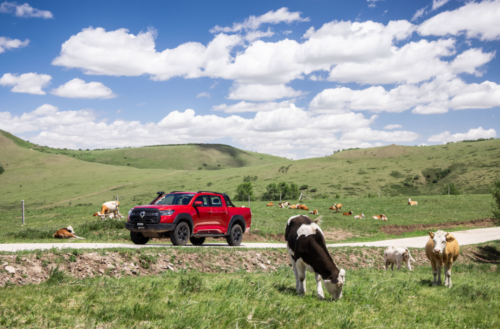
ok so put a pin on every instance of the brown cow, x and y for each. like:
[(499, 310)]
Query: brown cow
[(442, 249), (381, 216), (314, 212), (270, 204), (66, 233), (302, 207), (412, 203), (348, 213)]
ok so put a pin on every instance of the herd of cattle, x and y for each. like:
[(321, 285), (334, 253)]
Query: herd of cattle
[(307, 249), (336, 207)]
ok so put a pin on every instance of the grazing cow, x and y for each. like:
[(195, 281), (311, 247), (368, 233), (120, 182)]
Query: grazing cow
[(412, 203), (270, 204), (381, 216), (442, 249), (359, 216), (336, 207), (314, 212), (66, 233), (397, 255), (307, 250), (109, 207), (348, 213)]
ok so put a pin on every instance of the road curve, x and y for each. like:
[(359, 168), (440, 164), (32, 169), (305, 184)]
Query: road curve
[(463, 237)]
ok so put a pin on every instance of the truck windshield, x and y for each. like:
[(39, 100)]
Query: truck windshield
[(174, 199)]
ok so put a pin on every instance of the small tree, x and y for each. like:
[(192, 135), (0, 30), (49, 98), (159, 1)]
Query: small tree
[(243, 191), (453, 189), (496, 196), (303, 187)]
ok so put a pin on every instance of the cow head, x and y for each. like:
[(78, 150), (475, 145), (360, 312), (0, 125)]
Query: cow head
[(335, 286), (440, 238)]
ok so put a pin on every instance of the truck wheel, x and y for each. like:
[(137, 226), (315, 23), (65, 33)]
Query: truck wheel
[(197, 241), (138, 238), (180, 235), (235, 236)]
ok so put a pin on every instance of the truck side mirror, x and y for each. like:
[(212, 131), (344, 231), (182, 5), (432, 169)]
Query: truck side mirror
[(198, 203)]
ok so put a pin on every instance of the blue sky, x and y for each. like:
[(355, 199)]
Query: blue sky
[(290, 78)]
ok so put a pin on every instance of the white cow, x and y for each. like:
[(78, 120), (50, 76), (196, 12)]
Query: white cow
[(397, 255)]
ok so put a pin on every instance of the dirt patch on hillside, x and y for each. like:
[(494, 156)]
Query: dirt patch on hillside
[(400, 229), (37, 268)]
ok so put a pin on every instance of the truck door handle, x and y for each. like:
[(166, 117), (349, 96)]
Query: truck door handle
[(224, 212)]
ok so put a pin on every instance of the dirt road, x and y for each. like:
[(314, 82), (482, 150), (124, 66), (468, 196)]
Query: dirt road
[(464, 238)]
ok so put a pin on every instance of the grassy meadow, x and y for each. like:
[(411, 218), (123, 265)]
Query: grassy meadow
[(188, 299)]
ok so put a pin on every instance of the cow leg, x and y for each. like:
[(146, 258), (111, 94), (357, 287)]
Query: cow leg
[(399, 265), (392, 266), (301, 271), (295, 272), (439, 282), (319, 288), (434, 272), (386, 264), (447, 275), (408, 266)]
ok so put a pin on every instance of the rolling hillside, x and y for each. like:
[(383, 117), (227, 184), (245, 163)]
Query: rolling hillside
[(181, 157)]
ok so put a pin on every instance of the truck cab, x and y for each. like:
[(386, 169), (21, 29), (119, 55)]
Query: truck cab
[(189, 216)]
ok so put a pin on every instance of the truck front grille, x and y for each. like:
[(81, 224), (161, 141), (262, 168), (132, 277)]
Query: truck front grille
[(145, 215)]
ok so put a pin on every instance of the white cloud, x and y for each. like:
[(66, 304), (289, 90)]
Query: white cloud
[(203, 94), (254, 107), (8, 43), (389, 127), (254, 35), (281, 15), (30, 83), (438, 3), (77, 88), (419, 13), (472, 134), (299, 135), (23, 10), (44, 117), (258, 92), (372, 3), (475, 19), (477, 96)]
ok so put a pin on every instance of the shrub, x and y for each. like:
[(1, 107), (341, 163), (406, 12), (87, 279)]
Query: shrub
[(337, 195), (313, 190), (1, 170), (496, 196), (303, 187), (209, 184), (288, 192), (249, 178), (243, 191), (396, 174), (453, 190)]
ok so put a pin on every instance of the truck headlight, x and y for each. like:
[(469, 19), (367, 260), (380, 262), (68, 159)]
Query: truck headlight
[(166, 212)]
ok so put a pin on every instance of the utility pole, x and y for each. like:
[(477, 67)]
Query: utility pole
[(22, 207)]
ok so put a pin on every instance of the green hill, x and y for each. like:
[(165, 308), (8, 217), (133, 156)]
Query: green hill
[(183, 157)]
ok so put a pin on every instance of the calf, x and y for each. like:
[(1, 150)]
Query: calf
[(314, 212), (66, 233), (302, 207), (442, 249), (359, 216), (336, 207), (412, 203), (284, 204), (348, 213), (397, 255), (270, 204), (293, 206), (307, 250)]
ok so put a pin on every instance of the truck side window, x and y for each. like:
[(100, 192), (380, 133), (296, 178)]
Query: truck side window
[(216, 201), (204, 199)]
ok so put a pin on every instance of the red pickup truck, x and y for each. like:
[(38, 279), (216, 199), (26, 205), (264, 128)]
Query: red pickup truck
[(189, 216)]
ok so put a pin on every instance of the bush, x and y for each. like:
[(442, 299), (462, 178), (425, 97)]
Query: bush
[(1, 170), (243, 191), (249, 178), (209, 184), (496, 196), (313, 190), (453, 190), (288, 192), (337, 195), (396, 174), (303, 187)]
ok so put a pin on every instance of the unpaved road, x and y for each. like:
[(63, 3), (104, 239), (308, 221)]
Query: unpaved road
[(463, 237)]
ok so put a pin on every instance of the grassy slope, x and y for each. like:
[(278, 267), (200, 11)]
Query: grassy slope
[(183, 157), (371, 298)]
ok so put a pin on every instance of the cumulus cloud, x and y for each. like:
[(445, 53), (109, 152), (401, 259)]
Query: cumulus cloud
[(44, 117), (390, 127), (436, 96), (77, 88), (474, 19), (30, 83), (203, 94), (254, 107), (281, 15), (472, 134), (300, 135), (24, 10), (8, 43), (258, 92)]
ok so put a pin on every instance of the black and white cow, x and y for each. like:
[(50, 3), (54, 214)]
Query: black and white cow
[(307, 249)]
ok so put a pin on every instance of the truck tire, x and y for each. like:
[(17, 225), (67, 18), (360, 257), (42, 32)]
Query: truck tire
[(180, 235), (235, 235), (196, 241), (138, 238)]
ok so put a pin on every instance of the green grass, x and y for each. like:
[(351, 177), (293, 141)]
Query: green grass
[(372, 298), (42, 223)]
